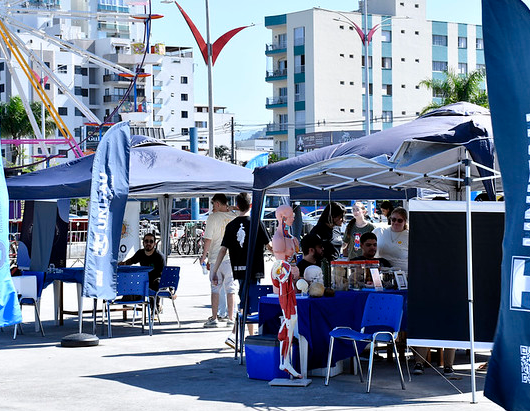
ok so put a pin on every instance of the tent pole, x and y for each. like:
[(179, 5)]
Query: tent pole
[(467, 182)]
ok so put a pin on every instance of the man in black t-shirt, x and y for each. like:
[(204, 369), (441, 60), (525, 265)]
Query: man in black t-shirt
[(235, 241), (369, 248), (313, 252), (149, 256)]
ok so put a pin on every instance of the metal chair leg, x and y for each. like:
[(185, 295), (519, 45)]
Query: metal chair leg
[(237, 336), (398, 364), (358, 360), (109, 328), (175, 309), (370, 365), (330, 353), (38, 319)]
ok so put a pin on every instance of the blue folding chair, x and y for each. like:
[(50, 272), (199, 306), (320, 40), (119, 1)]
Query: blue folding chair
[(169, 282), (29, 288), (255, 292), (132, 284), (380, 323)]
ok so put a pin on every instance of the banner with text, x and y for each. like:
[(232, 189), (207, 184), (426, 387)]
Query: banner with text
[(108, 197), (506, 30)]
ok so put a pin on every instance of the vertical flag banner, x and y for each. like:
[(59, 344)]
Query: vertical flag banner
[(506, 31), (108, 197), (9, 307)]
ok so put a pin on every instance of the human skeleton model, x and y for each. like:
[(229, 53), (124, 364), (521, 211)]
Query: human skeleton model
[(284, 247)]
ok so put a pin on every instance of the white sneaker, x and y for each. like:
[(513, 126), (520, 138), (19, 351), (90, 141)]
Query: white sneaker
[(211, 323)]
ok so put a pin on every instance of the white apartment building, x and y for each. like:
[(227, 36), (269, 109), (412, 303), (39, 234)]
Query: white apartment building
[(161, 104), (316, 69)]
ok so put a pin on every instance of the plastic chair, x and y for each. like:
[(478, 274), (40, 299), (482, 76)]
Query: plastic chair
[(29, 289), (255, 292), (131, 284), (169, 282), (380, 323)]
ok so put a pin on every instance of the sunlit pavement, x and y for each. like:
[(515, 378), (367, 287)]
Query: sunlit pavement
[(188, 368)]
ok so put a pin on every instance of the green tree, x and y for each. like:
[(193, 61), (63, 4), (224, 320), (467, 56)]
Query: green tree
[(222, 153), (15, 124), (457, 87)]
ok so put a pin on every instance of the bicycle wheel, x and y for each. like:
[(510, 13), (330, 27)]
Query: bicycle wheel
[(187, 246)]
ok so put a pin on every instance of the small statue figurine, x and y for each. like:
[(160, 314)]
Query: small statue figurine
[(284, 247)]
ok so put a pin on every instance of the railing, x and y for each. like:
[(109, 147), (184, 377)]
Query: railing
[(276, 100), (276, 46), (276, 73), (277, 127), (299, 69)]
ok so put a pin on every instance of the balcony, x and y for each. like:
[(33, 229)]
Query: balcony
[(276, 48), (113, 77), (279, 74), (274, 102), (114, 98), (276, 129), (157, 102)]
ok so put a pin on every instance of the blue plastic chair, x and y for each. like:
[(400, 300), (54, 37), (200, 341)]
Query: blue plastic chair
[(136, 284), (380, 323), (29, 294), (255, 292), (169, 282)]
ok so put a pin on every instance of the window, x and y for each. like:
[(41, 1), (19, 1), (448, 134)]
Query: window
[(185, 131), (387, 90), (387, 117), (462, 42), (64, 153), (80, 70), (299, 36), (63, 111), (183, 114), (77, 90), (403, 113), (386, 62), (282, 40), (299, 92), (369, 61), (439, 66), (78, 113), (351, 56), (183, 97), (417, 60), (438, 40), (417, 33), (2, 88), (402, 31), (183, 80), (352, 110), (201, 124), (342, 82), (47, 86), (299, 119), (341, 55), (343, 110), (341, 27), (480, 44), (370, 88), (2, 66), (299, 63), (437, 93), (403, 59), (403, 86), (351, 83), (386, 36), (62, 68), (462, 68), (481, 67)]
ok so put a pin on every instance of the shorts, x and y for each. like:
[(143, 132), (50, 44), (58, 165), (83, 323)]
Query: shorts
[(253, 281), (224, 277)]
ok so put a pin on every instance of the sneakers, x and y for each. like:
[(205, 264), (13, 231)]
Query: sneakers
[(222, 319), (450, 374), (230, 342), (418, 369), (211, 323), (229, 323)]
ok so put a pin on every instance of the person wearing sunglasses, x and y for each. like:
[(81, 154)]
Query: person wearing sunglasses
[(149, 256), (393, 241)]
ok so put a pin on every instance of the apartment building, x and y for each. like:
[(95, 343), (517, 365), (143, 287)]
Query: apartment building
[(162, 101), (316, 69)]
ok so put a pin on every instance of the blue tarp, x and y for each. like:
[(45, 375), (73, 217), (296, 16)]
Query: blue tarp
[(155, 169)]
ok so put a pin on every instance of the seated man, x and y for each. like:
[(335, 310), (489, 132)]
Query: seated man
[(313, 251), (369, 249), (149, 256)]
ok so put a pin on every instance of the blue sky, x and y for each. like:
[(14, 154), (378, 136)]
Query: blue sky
[(239, 73)]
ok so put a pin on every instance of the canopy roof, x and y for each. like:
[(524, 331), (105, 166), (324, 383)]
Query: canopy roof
[(440, 131), (155, 169)]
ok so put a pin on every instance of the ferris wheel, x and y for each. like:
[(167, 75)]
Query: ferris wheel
[(35, 37)]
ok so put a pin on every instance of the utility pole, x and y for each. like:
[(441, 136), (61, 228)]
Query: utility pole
[(211, 146), (232, 134), (366, 71)]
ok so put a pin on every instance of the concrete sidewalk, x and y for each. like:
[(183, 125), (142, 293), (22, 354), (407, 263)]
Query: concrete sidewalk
[(189, 368)]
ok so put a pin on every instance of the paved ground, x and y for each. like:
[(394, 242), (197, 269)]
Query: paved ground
[(188, 368)]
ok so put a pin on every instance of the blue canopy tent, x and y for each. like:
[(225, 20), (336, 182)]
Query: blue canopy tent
[(156, 171), (460, 124)]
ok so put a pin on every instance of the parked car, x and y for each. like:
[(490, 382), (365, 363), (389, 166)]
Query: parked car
[(185, 214)]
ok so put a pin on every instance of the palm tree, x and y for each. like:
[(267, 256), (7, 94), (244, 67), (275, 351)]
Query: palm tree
[(15, 124), (457, 87)]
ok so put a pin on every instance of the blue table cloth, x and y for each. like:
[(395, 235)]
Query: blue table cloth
[(318, 316)]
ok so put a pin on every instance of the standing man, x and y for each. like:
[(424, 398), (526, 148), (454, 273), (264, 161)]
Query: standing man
[(235, 241), (313, 252), (213, 235)]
